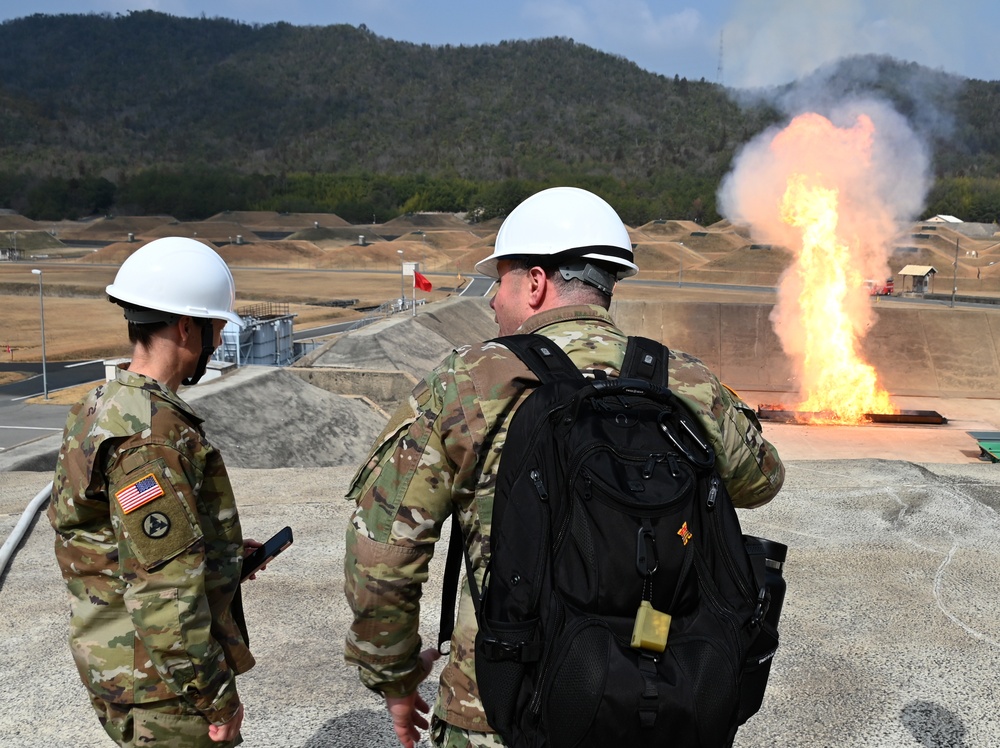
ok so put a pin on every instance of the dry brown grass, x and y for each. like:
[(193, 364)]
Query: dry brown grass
[(85, 326), (68, 396), (6, 377), (80, 324)]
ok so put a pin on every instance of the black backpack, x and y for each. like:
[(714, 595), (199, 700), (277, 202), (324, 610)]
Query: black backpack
[(620, 605)]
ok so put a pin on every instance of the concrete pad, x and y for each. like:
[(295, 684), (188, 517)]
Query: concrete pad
[(945, 443), (891, 634), (890, 627)]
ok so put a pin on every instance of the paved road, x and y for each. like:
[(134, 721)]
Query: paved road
[(60, 374), (323, 330), (478, 285), (21, 422)]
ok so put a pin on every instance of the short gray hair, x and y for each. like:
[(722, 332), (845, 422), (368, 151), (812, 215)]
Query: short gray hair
[(573, 291)]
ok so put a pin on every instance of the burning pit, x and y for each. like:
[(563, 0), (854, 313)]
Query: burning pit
[(780, 414), (836, 191)]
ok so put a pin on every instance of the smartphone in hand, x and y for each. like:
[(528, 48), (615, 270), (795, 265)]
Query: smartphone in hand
[(263, 555)]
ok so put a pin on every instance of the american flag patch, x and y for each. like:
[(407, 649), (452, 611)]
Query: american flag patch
[(141, 492)]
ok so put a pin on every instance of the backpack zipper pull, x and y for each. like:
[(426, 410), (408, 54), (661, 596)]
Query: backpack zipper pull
[(536, 478), (675, 468), (713, 492), (647, 468)]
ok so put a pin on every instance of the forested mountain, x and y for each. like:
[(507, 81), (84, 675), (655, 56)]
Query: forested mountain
[(112, 108)]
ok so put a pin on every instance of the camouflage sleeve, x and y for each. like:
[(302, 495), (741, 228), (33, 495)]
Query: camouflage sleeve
[(404, 492), (750, 465), (153, 492)]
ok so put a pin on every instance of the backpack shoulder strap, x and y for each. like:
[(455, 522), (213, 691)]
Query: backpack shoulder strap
[(452, 572), (549, 363), (547, 360), (646, 359)]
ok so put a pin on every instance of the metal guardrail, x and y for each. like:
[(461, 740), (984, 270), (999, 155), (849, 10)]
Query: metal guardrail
[(264, 310), (385, 310)]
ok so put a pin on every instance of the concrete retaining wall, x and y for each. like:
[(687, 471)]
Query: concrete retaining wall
[(917, 350), (386, 388), (414, 344), (736, 341)]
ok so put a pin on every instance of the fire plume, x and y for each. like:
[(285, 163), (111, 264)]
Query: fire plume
[(838, 385), (836, 196)]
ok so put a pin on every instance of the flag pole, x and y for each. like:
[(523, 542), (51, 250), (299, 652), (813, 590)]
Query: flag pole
[(413, 293)]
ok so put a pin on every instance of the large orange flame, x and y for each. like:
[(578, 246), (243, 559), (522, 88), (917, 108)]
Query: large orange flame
[(836, 192), (836, 383)]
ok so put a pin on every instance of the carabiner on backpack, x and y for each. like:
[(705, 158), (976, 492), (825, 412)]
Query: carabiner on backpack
[(646, 558), (707, 459)]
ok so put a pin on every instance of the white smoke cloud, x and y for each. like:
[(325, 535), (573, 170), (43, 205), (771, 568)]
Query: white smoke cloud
[(616, 24), (894, 185), (771, 42), (878, 167)]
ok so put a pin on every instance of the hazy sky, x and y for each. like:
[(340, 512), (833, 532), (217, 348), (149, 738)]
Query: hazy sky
[(763, 41)]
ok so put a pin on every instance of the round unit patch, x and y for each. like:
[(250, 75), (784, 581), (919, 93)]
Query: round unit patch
[(156, 525)]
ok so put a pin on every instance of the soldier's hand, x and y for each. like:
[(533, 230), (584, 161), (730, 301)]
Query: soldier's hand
[(408, 711), (227, 731), (249, 546)]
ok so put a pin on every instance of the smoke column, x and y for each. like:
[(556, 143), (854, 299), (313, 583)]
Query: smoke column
[(864, 154)]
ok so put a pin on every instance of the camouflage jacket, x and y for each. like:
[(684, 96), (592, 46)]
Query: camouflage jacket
[(149, 542), (436, 455)]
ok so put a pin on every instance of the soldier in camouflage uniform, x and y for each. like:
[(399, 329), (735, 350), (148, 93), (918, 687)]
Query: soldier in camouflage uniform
[(148, 536), (557, 258)]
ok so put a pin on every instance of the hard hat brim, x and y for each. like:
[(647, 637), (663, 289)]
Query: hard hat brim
[(623, 268), (124, 297)]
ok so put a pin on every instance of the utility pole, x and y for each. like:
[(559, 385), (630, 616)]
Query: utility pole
[(954, 284), (718, 73), (41, 309), (402, 280)]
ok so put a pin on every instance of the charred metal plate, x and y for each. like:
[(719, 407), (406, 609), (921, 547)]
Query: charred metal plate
[(909, 416), (780, 414)]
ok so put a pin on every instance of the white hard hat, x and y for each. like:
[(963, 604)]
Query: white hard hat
[(179, 276), (567, 222)]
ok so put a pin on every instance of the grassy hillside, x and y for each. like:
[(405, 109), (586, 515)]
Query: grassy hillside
[(254, 116), (149, 89)]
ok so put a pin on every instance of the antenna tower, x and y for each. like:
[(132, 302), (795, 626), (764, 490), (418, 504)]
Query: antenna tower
[(718, 73)]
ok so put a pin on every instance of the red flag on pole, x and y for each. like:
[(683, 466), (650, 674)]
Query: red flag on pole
[(421, 282)]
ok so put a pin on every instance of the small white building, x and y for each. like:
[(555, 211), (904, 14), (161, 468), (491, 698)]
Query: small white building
[(922, 278)]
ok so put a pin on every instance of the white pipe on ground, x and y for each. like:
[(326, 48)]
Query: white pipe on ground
[(11, 544)]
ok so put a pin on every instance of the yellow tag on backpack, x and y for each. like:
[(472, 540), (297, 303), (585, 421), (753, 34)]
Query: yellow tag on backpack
[(651, 628)]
